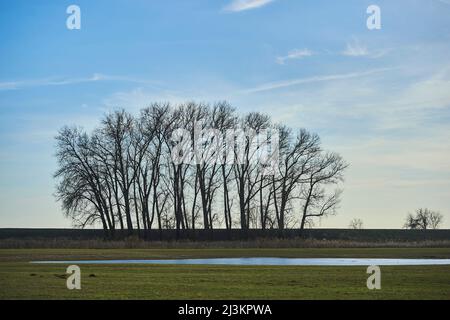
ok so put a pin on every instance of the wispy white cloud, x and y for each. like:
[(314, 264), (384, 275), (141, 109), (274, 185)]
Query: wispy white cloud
[(138, 98), (294, 54), (293, 82), (410, 104), (357, 49), (8, 85), (393, 123), (96, 77), (444, 1), (242, 5)]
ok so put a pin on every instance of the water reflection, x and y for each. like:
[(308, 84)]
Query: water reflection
[(269, 262)]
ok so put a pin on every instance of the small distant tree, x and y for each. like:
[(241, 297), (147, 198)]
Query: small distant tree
[(424, 219), (356, 224)]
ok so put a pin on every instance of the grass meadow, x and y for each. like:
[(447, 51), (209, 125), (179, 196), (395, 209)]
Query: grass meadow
[(19, 279)]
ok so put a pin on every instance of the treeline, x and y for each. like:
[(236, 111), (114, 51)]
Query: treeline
[(141, 172)]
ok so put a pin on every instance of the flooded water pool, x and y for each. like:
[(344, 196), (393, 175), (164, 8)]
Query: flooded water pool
[(268, 262)]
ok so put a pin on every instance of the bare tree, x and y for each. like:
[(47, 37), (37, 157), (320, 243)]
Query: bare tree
[(356, 223), (224, 119), (81, 187), (247, 172), (296, 162), (324, 170), (117, 130)]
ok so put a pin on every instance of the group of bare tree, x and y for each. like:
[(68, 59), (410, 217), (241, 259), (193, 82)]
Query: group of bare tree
[(123, 176), (424, 219)]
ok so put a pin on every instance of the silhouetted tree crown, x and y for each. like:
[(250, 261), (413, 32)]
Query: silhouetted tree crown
[(424, 219), (122, 175)]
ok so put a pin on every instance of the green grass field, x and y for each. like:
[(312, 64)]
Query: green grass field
[(21, 280)]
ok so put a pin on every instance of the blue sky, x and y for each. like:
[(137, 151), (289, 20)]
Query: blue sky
[(379, 97)]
